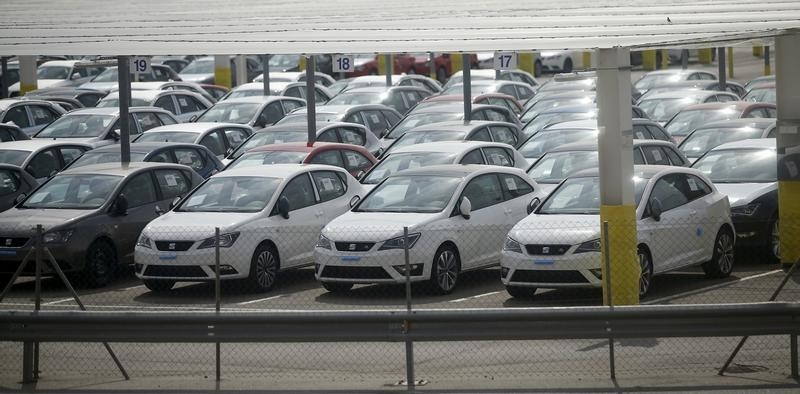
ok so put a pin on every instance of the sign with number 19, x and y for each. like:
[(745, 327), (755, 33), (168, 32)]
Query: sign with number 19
[(140, 65)]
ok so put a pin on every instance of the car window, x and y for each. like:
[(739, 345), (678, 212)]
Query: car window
[(355, 118), (391, 118), (69, 154), (638, 158), (88, 100), (503, 134), (9, 182), (147, 121), (483, 191), (514, 186), (299, 192), (140, 190), (668, 191), (329, 157), (495, 115), (523, 92), (473, 157), (481, 135), (711, 99), (509, 90), (271, 114), (328, 136), (724, 97), (353, 137), (5, 136), (320, 96), (376, 122), (658, 133), (771, 112), (291, 105), (43, 164), (18, 115), (172, 183), (641, 132), (166, 103), (235, 137), (674, 157), (165, 119), (329, 185), (190, 157), (161, 157), (189, 104), (693, 187), (294, 91), (42, 115), (214, 143), (654, 155), (498, 157), (355, 161)]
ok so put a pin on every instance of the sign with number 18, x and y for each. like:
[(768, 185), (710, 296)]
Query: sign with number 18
[(342, 63)]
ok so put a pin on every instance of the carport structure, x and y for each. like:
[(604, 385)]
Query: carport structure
[(611, 28)]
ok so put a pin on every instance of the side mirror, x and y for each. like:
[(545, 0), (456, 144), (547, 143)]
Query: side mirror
[(120, 206), (193, 118), (533, 204), (20, 198), (75, 76), (360, 174), (656, 209), (354, 201), (465, 207), (174, 202), (115, 134), (283, 207), (159, 211), (52, 173)]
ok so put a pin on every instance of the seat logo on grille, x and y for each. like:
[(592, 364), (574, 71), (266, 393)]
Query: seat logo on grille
[(545, 249), (352, 247), (172, 246), (9, 241)]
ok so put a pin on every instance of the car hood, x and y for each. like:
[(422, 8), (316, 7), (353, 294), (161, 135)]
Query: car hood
[(745, 193), (195, 226), (556, 229), (25, 220), (376, 226), (104, 86)]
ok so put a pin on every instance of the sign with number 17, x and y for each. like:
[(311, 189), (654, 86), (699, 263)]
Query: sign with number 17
[(342, 63), (505, 60)]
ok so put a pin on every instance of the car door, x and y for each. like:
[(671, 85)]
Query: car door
[(482, 134), (671, 234), (482, 235), (140, 191), (352, 136), (11, 186), (376, 122), (517, 195), (18, 115), (215, 143), (654, 155), (332, 189), (503, 135), (234, 137), (43, 164), (306, 219), (271, 113), (702, 227), (291, 105), (146, 120), (171, 183)]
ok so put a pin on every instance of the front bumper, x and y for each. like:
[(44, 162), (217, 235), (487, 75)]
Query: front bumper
[(70, 259), (751, 232), (371, 266), (191, 265), (562, 271)]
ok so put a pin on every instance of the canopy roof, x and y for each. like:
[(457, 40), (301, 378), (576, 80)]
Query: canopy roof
[(162, 27)]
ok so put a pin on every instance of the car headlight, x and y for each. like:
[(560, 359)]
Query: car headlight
[(58, 236), (399, 242), (589, 246), (144, 241), (225, 241), (512, 246), (745, 210), (323, 243)]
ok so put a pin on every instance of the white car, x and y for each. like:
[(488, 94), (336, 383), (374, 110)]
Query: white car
[(269, 219), (446, 152), (681, 220), (559, 61), (457, 217)]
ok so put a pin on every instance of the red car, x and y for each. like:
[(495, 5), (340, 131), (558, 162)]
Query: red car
[(355, 159), (215, 91), (417, 63), (694, 116), (503, 100)]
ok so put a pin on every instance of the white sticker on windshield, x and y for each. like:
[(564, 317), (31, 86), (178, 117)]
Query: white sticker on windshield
[(792, 168), (327, 185), (182, 102), (171, 181), (378, 173), (196, 200), (510, 184), (692, 184), (656, 155), (352, 161), (414, 164), (375, 118), (497, 159), (38, 197)]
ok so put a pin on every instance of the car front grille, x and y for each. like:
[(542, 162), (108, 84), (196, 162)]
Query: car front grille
[(176, 271), (546, 250), (355, 272), (354, 246), (9, 242), (548, 276), (174, 246)]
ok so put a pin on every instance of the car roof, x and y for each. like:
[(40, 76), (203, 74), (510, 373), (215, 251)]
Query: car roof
[(303, 147), (144, 147), (571, 109), (754, 143), (195, 127), (646, 171), (447, 146), (304, 127), (62, 63), (738, 105), (459, 126), (681, 93), (340, 109), (453, 170), (38, 143), (6, 103), (761, 123), (148, 95), (382, 89), (590, 144), (282, 171), (678, 71), (257, 99), (120, 169), (113, 111)]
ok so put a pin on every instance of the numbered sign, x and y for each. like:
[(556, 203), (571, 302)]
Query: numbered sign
[(342, 63), (505, 61), (140, 65)]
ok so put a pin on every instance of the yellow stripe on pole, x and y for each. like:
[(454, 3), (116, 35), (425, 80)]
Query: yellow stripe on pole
[(222, 76), (767, 69), (27, 87), (526, 62), (301, 64), (729, 59), (758, 50), (649, 59), (382, 64), (624, 264), (587, 60), (789, 223), (704, 56), (664, 59), (455, 63)]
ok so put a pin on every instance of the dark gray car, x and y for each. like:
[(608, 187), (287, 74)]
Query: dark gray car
[(92, 217), (13, 182)]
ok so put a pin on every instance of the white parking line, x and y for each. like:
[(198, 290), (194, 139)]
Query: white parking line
[(131, 288), (59, 301), (259, 300), (476, 296), (714, 287)]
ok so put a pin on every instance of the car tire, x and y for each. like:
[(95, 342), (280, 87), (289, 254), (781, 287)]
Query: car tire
[(773, 246), (521, 291), (441, 74), (537, 69), (159, 285), (444, 271), (567, 66), (264, 268), (721, 263), (646, 275), (337, 287), (101, 263)]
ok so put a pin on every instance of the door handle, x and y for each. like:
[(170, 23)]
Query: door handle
[(319, 213), (693, 212)]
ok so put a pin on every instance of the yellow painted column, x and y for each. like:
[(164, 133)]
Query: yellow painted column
[(587, 60), (705, 55), (789, 223), (730, 62), (222, 71), (787, 82), (456, 63), (664, 59), (758, 50), (649, 60), (526, 62), (624, 263), (382, 63), (767, 66), (301, 64), (27, 75)]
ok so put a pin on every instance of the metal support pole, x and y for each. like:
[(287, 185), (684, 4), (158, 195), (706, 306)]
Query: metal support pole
[(609, 301), (407, 324), (467, 83), (28, 81), (793, 354), (311, 109), (38, 302), (217, 297), (27, 363), (767, 66), (4, 81), (684, 59), (240, 62), (389, 69), (265, 71), (723, 80), (432, 66), (496, 75), (123, 67)]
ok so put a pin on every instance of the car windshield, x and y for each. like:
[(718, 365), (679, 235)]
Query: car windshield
[(662, 110), (739, 166), (703, 140), (545, 104), (231, 194), (421, 137), (543, 142), (415, 193), (476, 87), (77, 126), (114, 102), (349, 98), (283, 61), (686, 121), (85, 191), (205, 66), (241, 113), (53, 72), (652, 80), (405, 161), (545, 119), (90, 157), (581, 196), (15, 157), (554, 167), (761, 95), (245, 93), (415, 120), (168, 136), (303, 118), (271, 157)]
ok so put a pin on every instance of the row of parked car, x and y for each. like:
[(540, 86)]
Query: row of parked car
[(505, 187)]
